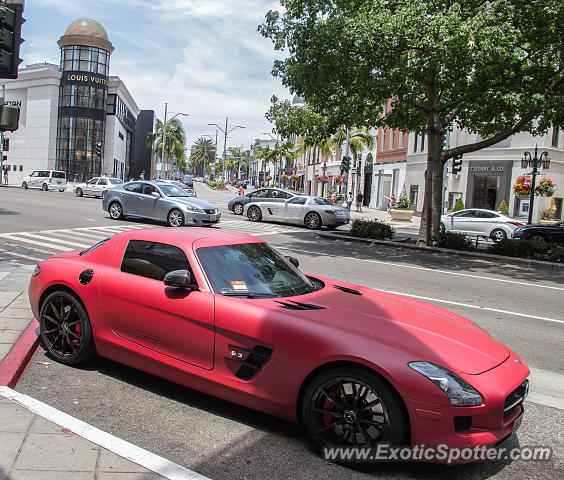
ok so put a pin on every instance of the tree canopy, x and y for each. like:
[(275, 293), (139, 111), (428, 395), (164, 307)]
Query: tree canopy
[(491, 67)]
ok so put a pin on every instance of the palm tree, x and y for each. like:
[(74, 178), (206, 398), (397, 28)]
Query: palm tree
[(284, 150), (357, 140), (262, 153), (175, 142), (203, 154)]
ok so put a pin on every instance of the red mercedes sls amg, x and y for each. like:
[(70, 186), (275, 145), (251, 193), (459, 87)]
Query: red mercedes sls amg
[(226, 314)]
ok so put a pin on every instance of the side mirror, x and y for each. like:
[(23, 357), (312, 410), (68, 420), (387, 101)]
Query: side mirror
[(178, 279), (155, 194), (294, 261)]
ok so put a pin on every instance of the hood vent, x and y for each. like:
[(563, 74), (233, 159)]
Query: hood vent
[(347, 290), (291, 305)]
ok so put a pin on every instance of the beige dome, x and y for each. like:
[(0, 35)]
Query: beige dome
[(86, 26)]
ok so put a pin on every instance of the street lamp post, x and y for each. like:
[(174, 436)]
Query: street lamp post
[(214, 154), (535, 162), (164, 131), (225, 133), (280, 167)]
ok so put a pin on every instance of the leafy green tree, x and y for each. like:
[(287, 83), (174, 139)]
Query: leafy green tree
[(203, 154), (491, 67), (458, 205), (175, 142)]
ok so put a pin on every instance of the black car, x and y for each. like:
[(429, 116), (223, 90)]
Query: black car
[(549, 232)]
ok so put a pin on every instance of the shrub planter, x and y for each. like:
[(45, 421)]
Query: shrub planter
[(403, 215)]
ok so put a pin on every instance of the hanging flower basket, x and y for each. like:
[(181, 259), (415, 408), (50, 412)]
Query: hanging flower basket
[(323, 178), (544, 188), (284, 177), (338, 179), (268, 178), (294, 177)]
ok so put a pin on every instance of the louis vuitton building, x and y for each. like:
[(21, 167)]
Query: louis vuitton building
[(74, 116)]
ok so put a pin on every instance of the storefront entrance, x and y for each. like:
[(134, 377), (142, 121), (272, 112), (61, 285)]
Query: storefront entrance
[(368, 180), (485, 192)]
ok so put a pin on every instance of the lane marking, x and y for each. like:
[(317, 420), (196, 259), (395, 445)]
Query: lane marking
[(477, 307), (136, 454), (19, 255), (56, 240), (427, 269), (50, 246)]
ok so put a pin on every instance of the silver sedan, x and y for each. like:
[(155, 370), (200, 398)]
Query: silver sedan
[(313, 212), (158, 200)]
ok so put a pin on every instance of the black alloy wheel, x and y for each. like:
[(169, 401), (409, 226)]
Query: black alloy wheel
[(65, 331), (352, 407), (238, 209), (537, 237), (24, 185), (254, 214), (45, 187), (115, 210), (78, 192), (312, 221)]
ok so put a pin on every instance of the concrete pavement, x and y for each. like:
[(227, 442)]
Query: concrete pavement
[(38, 442)]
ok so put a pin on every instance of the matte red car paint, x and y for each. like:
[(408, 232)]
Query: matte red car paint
[(202, 334)]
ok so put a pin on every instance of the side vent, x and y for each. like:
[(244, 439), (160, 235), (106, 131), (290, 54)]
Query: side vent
[(347, 290), (291, 305), (254, 361), (85, 277)]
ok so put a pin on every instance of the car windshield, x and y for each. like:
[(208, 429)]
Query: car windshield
[(173, 191), (115, 181), (252, 270)]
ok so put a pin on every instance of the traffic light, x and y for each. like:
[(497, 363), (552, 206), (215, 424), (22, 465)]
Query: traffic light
[(456, 164), (345, 164), (10, 39), (99, 149), (9, 118)]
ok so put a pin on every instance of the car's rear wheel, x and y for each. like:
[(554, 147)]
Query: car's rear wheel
[(44, 187), (312, 221), (537, 237), (65, 331), (78, 192), (238, 209), (175, 218), (115, 210), (498, 235), (442, 227), (24, 185), (61, 189), (254, 214), (348, 406)]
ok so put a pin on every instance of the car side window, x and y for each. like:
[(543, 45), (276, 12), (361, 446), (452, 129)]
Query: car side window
[(103, 181), (133, 187), (154, 260), (285, 195), (466, 214), (92, 182), (35, 174), (486, 215), (43, 174), (297, 201), (259, 194), (148, 189), (276, 194)]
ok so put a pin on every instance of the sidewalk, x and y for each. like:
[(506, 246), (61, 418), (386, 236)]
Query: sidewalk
[(38, 442), (410, 228)]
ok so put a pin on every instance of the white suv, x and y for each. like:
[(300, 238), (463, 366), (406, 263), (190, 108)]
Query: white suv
[(46, 180)]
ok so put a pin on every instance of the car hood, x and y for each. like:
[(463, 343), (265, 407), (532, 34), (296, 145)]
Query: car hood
[(427, 332), (193, 201)]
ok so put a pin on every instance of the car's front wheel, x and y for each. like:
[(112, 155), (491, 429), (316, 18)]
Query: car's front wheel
[(537, 237), (175, 218), (45, 187), (24, 185), (254, 214), (238, 209), (312, 221), (349, 406), (115, 210), (498, 235), (78, 192), (65, 331)]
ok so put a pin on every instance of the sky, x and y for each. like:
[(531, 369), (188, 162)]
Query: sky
[(202, 57)]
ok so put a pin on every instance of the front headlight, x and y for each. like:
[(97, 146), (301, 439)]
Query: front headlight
[(36, 271), (193, 208), (459, 392)]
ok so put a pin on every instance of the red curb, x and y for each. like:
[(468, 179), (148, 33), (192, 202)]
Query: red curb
[(14, 364)]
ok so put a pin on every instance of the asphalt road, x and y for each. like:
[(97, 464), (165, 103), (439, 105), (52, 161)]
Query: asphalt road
[(522, 307)]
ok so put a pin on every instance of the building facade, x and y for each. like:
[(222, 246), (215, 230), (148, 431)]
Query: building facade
[(74, 116)]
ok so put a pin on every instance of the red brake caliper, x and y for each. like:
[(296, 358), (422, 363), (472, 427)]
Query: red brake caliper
[(329, 405)]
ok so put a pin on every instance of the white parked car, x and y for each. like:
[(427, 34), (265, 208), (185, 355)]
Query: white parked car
[(96, 187), (479, 222), (46, 180)]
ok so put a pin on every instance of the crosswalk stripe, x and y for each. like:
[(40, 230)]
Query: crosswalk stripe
[(50, 246), (64, 242)]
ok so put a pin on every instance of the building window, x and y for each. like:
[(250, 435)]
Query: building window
[(85, 59), (120, 135), (423, 142), (383, 142), (555, 134), (393, 142), (21, 168), (401, 140), (415, 142)]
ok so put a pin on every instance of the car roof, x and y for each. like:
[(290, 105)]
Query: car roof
[(206, 236)]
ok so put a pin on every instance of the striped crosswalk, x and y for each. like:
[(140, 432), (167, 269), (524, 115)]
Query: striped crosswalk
[(61, 240)]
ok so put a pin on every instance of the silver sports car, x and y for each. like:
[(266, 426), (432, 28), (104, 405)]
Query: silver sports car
[(159, 201), (313, 212)]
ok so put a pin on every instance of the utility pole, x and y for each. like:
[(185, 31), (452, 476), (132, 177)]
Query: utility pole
[(225, 133), (3, 101), (164, 141), (347, 155)]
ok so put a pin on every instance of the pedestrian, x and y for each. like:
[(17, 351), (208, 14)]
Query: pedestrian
[(333, 197), (349, 201), (241, 189), (5, 175), (142, 176), (359, 197), (391, 202)]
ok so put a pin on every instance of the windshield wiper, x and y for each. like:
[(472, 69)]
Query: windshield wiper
[(250, 294)]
